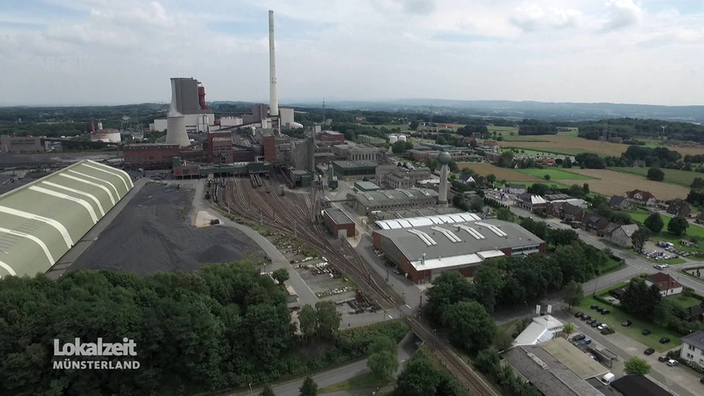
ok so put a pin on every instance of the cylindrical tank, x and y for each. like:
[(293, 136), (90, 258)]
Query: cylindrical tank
[(402, 138), (176, 131), (393, 139)]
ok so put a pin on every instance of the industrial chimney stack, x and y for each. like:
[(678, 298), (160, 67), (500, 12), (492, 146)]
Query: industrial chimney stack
[(273, 96)]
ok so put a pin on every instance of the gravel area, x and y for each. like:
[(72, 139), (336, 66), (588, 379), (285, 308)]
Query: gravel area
[(153, 233)]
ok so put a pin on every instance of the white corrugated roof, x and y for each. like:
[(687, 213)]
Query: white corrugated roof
[(454, 261), (491, 253), (426, 221)]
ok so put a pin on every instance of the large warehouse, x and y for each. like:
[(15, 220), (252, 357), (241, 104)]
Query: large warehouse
[(41, 221), (425, 247), (365, 203)]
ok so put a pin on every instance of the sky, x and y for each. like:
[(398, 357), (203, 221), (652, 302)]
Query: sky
[(78, 52)]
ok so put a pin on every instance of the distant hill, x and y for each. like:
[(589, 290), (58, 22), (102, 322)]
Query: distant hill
[(539, 110)]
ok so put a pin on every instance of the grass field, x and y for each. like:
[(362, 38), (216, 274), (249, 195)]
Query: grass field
[(403, 127), (664, 235), (555, 174), (550, 183), (484, 169), (616, 183), (685, 302), (617, 316), (568, 143), (536, 153), (549, 150), (673, 176)]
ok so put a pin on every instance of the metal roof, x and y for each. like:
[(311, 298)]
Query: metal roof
[(41, 221), (427, 220), (456, 244), (574, 359), (338, 216), (386, 197)]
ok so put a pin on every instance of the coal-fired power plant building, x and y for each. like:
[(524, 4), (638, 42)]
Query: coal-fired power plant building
[(425, 247)]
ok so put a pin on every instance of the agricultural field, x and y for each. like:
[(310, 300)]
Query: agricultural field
[(567, 143), (555, 174), (484, 169), (537, 153), (673, 176), (502, 130), (616, 183), (403, 127)]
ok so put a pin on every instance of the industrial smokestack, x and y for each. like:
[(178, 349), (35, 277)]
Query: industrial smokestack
[(175, 122), (273, 96)]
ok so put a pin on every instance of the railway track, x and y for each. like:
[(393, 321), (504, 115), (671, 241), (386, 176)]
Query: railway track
[(471, 380)]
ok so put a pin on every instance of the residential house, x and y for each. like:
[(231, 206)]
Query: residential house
[(515, 188), (618, 202), (490, 143), (531, 202), (469, 139), (606, 231), (572, 213), (668, 285), (548, 162), (466, 179), (640, 197), (556, 197), (694, 313), (693, 348), (622, 235), (700, 218), (679, 208), (555, 209), (595, 222)]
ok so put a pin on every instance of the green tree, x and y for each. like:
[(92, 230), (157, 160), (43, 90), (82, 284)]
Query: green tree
[(280, 275), (488, 282), (636, 365), (641, 300), (448, 288), (308, 319), (654, 223), (639, 238), (697, 183), (309, 387), (585, 188), (328, 319), (567, 163), (398, 147), (547, 176), (267, 391), (504, 214), (469, 326), (568, 328), (413, 125), (678, 226), (575, 293), (491, 178), (384, 358), (431, 163), (476, 204), (656, 174), (419, 378)]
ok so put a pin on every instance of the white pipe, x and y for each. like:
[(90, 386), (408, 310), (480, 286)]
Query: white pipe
[(273, 96)]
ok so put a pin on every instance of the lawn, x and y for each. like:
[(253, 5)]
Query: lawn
[(664, 235), (610, 266), (685, 302), (361, 381), (506, 327), (673, 176), (503, 130), (617, 183), (403, 127), (484, 169), (551, 183), (617, 316), (555, 174)]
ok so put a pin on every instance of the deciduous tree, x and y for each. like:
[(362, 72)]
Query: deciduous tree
[(308, 320), (575, 293), (654, 223), (280, 275), (636, 365), (469, 326), (309, 387), (328, 319), (678, 225), (639, 238)]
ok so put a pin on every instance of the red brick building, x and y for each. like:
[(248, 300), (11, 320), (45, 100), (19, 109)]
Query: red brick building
[(149, 154), (330, 136), (339, 224)]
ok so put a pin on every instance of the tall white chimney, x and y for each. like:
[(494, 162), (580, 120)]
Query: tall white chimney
[(273, 96)]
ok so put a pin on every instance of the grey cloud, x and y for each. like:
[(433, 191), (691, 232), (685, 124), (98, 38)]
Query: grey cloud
[(418, 6), (622, 13)]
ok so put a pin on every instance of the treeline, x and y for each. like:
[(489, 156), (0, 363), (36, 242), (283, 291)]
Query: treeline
[(224, 327), (536, 127), (629, 128), (421, 377)]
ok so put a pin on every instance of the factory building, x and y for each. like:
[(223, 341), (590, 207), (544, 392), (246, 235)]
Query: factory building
[(425, 247), (188, 100), (352, 169), (338, 223), (399, 177), (330, 136), (355, 152), (365, 203), (42, 220), (365, 186), (149, 155), (22, 144)]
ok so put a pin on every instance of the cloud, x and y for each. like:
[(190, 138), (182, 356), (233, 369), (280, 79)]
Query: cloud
[(621, 14), (418, 6), (533, 18)]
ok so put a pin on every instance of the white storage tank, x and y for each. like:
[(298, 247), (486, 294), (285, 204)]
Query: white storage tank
[(402, 138), (393, 139)]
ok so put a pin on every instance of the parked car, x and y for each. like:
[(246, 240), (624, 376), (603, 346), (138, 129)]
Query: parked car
[(672, 362), (606, 312), (590, 321), (586, 317), (578, 314), (664, 340), (579, 337), (647, 332), (602, 326), (626, 323), (596, 323), (649, 351), (663, 358), (594, 306), (586, 341)]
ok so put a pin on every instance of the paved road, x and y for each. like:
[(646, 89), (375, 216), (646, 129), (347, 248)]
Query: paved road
[(305, 294), (406, 349), (56, 271), (667, 376)]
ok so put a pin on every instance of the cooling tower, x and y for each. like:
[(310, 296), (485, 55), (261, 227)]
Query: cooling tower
[(175, 122)]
